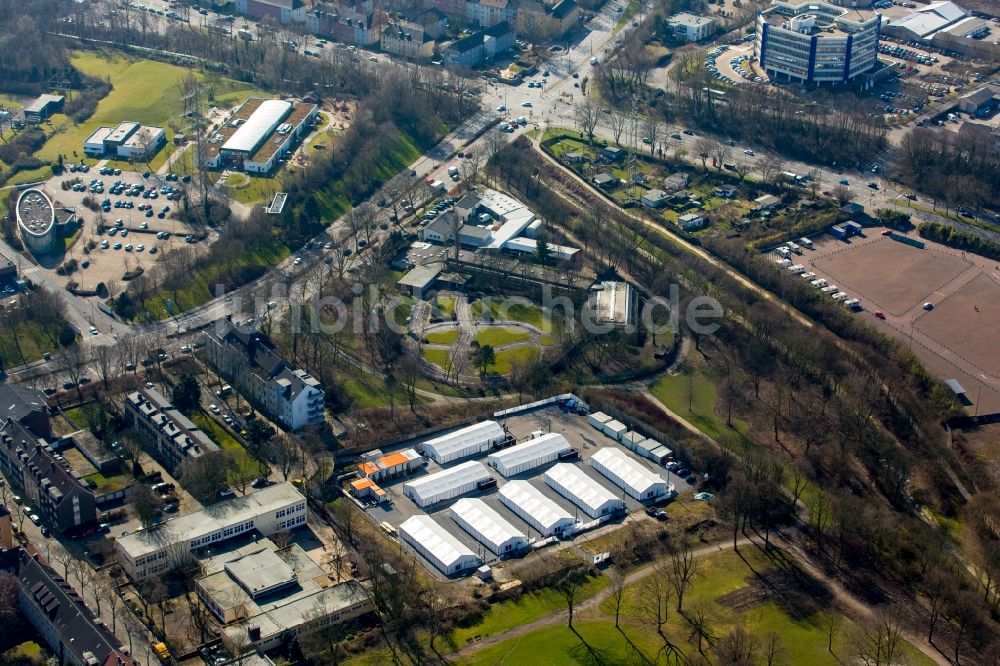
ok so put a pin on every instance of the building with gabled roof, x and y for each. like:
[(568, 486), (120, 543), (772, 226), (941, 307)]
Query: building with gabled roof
[(48, 483), (250, 361), (173, 437)]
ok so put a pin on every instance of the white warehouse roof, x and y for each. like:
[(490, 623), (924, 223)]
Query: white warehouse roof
[(467, 441), (437, 544), (487, 526), (530, 454), (260, 123), (925, 20), (447, 483), (627, 473), (574, 484), (535, 508)]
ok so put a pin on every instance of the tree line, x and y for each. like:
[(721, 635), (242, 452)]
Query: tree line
[(957, 169), (962, 240)]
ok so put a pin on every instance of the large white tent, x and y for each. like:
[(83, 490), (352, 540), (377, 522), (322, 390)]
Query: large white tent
[(573, 483), (447, 484), (487, 526), (628, 474), (529, 455), (436, 544), (475, 439), (534, 508)]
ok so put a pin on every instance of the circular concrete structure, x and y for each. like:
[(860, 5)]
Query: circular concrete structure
[(36, 221)]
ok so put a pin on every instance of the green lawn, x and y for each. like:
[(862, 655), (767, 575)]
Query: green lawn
[(439, 357), (143, 91), (527, 608), (677, 391), (220, 435), (443, 337), (201, 287), (506, 358), (367, 392), (108, 484), (446, 305), (514, 311), (496, 336), (33, 340), (257, 190), (803, 639)]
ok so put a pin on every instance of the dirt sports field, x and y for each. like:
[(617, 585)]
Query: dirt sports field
[(957, 338), (895, 276)]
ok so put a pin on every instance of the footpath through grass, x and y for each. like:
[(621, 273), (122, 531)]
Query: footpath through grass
[(725, 587), (692, 396)]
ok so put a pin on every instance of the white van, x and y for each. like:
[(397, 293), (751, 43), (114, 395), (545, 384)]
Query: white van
[(819, 284), (521, 120), (839, 296), (806, 243), (784, 263), (796, 269), (793, 247)]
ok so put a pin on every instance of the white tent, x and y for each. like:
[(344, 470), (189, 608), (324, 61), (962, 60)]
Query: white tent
[(529, 455), (447, 484), (573, 483), (477, 438), (598, 419), (628, 474), (487, 526), (436, 544), (534, 508)]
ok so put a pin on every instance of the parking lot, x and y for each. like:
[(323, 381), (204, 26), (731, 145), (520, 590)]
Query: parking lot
[(139, 225), (584, 438)]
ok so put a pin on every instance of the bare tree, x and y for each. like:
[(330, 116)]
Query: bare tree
[(618, 587), (587, 114), (720, 153), (654, 599), (738, 648), (770, 166), (878, 642), (652, 129), (495, 143), (699, 616), (145, 503), (704, 147), (618, 120), (569, 589), (106, 361), (682, 569)]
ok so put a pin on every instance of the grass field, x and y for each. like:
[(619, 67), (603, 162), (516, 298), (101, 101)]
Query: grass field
[(496, 336), (366, 392), (803, 635), (507, 357), (143, 91), (446, 305), (526, 608), (33, 340), (443, 337), (201, 287), (220, 436), (256, 191), (498, 308), (438, 357), (680, 390)]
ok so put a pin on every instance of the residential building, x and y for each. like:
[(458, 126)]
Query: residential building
[(688, 27), (539, 21), (344, 22), (249, 360), (156, 550), (27, 406), (407, 40), (480, 46), (173, 437), (432, 20), (654, 198), (128, 141), (265, 595), (816, 42), (691, 222), (280, 11), (60, 615), (6, 529), (43, 107), (606, 181), (442, 230), (488, 13), (46, 481)]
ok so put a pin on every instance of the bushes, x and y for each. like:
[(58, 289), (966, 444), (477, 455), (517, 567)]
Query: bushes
[(22, 146), (962, 240)]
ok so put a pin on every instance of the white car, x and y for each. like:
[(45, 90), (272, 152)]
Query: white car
[(501, 108), (93, 330), (185, 349), (526, 103), (748, 152), (298, 260), (214, 409), (594, 61)]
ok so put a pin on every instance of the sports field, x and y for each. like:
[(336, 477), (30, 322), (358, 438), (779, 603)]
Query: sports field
[(967, 321), (894, 276), (143, 91), (953, 339)]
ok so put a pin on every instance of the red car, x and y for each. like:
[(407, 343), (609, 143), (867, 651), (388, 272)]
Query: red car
[(880, 314)]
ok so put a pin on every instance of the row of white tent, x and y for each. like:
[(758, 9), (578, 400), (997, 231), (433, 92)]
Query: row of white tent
[(630, 439)]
